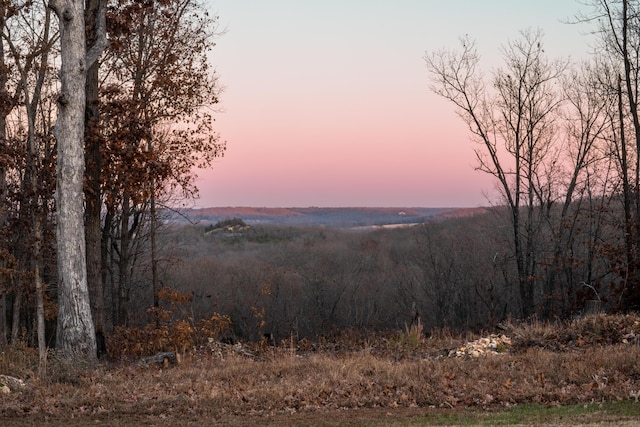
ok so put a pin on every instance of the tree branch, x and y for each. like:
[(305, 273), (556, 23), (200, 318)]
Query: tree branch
[(101, 42), (55, 6)]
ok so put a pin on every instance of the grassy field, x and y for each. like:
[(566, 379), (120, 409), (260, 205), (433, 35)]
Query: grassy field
[(585, 372)]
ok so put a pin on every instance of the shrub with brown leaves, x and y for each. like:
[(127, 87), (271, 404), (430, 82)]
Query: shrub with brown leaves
[(171, 328)]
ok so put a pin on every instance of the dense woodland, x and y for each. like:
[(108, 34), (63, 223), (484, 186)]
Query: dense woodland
[(147, 123), (561, 139), (455, 273)]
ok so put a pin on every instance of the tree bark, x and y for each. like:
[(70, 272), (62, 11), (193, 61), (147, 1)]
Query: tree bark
[(76, 335)]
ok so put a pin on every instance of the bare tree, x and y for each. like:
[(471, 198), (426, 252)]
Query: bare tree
[(618, 28), (34, 210), (585, 128), (25, 46), (513, 121)]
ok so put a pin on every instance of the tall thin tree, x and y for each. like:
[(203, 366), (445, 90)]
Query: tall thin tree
[(75, 338)]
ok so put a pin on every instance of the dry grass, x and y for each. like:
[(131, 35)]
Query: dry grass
[(593, 330), (381, 372)]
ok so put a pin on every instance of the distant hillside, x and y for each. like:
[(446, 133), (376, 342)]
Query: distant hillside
[(335, 217)]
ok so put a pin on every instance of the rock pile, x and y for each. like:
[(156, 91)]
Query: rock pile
[(493, 344), (10, 384)]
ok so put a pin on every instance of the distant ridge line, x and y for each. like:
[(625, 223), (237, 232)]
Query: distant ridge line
[(329, 216)]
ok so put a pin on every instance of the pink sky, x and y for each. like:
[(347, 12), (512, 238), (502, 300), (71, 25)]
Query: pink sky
[(327, 103)]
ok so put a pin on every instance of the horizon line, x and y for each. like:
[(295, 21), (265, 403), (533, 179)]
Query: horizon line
[(340, 207)]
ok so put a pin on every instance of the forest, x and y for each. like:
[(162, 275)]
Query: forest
[(453, 273), (560, 138), (145, 123)]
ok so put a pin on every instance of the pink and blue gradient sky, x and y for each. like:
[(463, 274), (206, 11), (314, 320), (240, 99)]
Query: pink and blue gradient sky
[(327, 103)]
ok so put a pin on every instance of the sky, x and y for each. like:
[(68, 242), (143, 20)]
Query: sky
[(327, 103)]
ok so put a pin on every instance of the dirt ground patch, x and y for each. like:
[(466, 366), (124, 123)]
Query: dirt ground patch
[(344, 417)]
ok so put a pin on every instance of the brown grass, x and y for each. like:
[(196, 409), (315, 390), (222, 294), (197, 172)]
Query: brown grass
[(375, 372)]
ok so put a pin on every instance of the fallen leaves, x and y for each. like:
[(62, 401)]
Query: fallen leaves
[(282, 380)]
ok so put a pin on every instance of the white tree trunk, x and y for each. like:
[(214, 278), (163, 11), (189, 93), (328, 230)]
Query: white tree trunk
[(75, 335), (42, 342)]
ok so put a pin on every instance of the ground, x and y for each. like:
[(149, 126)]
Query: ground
[(583, 373)]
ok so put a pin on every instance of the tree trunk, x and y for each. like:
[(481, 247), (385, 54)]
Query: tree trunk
[(107, 265), (36, 210), (15, 317), (42, 342), (93, 194), (4, 77), (3, 320), (76, 335), (626, 192), (631, 295), (124, 261), (34, 216), (154, 227), (154, 254)]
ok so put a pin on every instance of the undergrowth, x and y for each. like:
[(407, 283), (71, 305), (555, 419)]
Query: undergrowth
[(567, 363), (172, 327)]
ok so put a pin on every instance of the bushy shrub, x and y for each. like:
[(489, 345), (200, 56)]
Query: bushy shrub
[(18, 360), (171, 328)]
